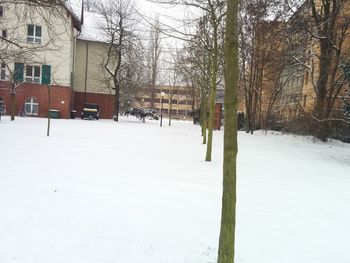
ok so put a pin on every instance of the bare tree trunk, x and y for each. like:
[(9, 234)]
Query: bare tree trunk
[(325, 55), (212, 93), (203, 118), (193, 100), (116, 101), (226, 252), (155, 49)]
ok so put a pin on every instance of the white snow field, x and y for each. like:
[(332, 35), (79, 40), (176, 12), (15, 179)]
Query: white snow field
[(132, 192)]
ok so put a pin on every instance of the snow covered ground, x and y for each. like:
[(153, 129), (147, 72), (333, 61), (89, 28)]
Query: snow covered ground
[(101, 192)]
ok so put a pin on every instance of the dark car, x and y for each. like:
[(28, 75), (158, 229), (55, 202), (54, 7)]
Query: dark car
[(91, 111)]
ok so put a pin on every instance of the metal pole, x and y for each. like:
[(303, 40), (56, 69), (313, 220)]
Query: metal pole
[(161, 113)]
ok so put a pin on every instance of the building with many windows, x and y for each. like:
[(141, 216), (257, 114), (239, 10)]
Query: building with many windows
[(36, 38), (178, 101), (290, 73)]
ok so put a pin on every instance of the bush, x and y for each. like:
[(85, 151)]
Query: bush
[(307, 125)]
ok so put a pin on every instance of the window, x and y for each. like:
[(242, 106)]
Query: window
[(33, 74), (1, 11), (31, 106), (173, 101), (3, 72), (4, 33), (34, 34)]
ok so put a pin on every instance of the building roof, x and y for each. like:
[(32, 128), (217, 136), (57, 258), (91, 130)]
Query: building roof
[(92, 28), (75, 9)]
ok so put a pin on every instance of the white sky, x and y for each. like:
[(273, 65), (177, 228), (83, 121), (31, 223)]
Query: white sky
[(178, 17)]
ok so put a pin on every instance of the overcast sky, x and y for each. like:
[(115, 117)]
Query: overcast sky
[(170, 17)]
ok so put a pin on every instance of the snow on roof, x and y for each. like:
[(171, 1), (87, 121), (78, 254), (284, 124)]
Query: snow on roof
[(92, 28), (74, 6)]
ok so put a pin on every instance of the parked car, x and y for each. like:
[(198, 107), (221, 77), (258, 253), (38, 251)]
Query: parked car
[(90, 111)]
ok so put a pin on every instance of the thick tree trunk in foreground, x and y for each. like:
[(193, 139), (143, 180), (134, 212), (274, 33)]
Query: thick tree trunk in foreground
[(228, 214)]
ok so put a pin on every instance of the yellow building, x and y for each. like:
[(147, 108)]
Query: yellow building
[(299, 94), (178, 100)]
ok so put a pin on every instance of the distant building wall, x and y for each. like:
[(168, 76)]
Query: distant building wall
[(60, 98), (105, 102), (180, 97), (90, 75)]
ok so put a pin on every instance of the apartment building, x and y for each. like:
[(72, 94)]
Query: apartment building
[(35, 39), (67, 41), (282, 79), (300, 77), (178, 101)]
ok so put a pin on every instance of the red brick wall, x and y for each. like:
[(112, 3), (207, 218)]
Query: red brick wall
[(61, 97), (105, 101)]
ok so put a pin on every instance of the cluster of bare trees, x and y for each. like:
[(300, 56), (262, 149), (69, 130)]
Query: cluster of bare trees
[(205, 64), (261, 59), (283, 42), (327, 27), (124, 52), (201, 66), (202, 60)]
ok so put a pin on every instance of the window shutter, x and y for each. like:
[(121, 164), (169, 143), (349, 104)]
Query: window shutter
[(19, 72), (46, 75)]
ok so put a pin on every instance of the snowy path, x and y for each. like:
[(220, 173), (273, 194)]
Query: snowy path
[(97, 191)]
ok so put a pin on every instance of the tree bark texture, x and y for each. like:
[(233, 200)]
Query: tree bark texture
[(203, 117), (226, 251), (212, 96)]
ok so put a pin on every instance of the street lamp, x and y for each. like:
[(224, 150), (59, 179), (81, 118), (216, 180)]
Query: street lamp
[(161, 108)]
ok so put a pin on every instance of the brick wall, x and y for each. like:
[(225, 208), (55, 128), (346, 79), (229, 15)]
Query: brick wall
[(105, 101), (61, 98)]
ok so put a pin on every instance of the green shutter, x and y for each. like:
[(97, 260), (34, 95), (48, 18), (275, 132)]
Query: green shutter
[(46, 75), (19, 72)]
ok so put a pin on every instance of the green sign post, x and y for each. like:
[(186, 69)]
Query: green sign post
[(46, 80)]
